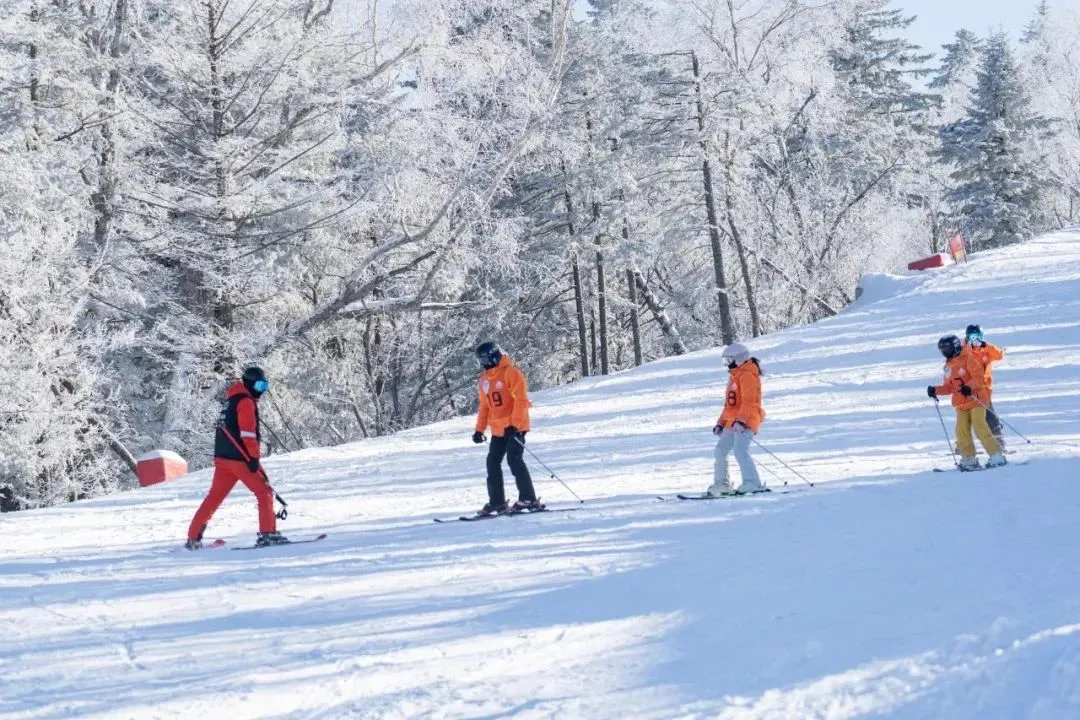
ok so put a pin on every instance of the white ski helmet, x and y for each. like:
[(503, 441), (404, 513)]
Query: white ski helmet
[(736, 353)]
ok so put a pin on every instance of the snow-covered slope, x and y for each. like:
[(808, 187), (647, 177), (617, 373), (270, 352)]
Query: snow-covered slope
[(887, 590)]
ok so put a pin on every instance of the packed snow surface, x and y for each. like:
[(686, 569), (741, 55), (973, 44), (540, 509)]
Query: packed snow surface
[(887, 590)]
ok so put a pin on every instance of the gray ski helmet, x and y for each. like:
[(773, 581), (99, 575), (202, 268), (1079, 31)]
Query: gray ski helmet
[(736, 353), (255, 381), (950, 346), (488, 355)]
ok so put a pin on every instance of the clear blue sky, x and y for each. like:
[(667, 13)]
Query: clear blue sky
[(940, 19)]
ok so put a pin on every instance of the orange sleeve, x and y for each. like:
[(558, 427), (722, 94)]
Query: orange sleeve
[(519, 391), (247, 419), (946, 388), (994, 353), (725, 414), (482, 412), (731, 408)]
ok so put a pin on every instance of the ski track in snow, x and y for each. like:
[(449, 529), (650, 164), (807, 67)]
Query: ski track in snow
[(886, 591)]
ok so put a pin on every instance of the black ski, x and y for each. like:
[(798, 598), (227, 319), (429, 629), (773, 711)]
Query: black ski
[(725, 496), (291, 542), (476, 518)]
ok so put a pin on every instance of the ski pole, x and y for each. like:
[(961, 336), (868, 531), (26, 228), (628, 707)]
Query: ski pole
[(793, 471), (937, 405), (529, 450), (773, 473), (991, 410), (283, 512)]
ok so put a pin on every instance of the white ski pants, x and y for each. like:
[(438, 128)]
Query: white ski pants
[(737, 440)]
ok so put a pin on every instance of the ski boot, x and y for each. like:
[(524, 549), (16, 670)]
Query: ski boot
[(193, 544), (996, 461), (270, 538), (491, 509), (719, 489), (523, 506), (969, 464), (745, 489)]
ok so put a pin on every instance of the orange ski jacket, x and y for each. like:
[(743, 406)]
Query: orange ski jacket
[(965, 369), (987, 354), (743, 399), (504, 399)]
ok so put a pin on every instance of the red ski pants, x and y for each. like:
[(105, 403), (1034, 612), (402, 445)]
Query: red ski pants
[(226, 473)]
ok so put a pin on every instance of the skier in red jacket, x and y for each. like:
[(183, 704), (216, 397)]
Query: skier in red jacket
[(236, 458)]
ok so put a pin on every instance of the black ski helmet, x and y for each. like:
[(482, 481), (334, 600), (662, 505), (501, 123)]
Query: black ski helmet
[(488, 355), (255, 381), (973, 331), (950, 346)]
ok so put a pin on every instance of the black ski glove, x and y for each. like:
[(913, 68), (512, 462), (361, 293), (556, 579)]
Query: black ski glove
[(931, 392), (718, 429), (478, 437), (513, 434), (965, 391), (253, 465)]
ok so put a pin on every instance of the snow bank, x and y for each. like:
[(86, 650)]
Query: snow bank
[(875, 287)]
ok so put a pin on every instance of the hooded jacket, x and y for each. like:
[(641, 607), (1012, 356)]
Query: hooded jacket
[(965, 369), (743, 399), (504, 399)]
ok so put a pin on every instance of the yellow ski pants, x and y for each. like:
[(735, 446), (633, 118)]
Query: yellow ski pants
[(974, 419)]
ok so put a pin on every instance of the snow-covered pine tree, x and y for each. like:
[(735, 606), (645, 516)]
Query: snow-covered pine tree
[(1036, 35), (955, 75), (953, 80), (877, 64), (995, 156)]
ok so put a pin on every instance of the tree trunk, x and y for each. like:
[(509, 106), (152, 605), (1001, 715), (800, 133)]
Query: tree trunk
[(601, 293), (579, 307), (579, 303), (736, 235), (36, 96), (727, 327), (635, 323), (103, 197), (592, 335), (662, 318)]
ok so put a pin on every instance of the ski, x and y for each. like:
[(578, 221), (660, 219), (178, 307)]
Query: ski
[(291, 542), (981, 468), (725, 496), (477, 518)]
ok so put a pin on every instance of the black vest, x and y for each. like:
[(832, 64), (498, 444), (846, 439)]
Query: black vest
[(223, 447)]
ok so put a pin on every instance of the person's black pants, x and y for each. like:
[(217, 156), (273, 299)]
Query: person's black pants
[(514, 452)]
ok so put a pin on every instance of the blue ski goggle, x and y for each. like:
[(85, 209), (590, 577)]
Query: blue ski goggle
[(975, 336), (261, 385)]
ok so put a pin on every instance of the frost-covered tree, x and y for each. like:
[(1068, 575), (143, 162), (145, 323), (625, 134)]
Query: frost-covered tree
[(995, 156), (1052, 76), (60, 416)]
